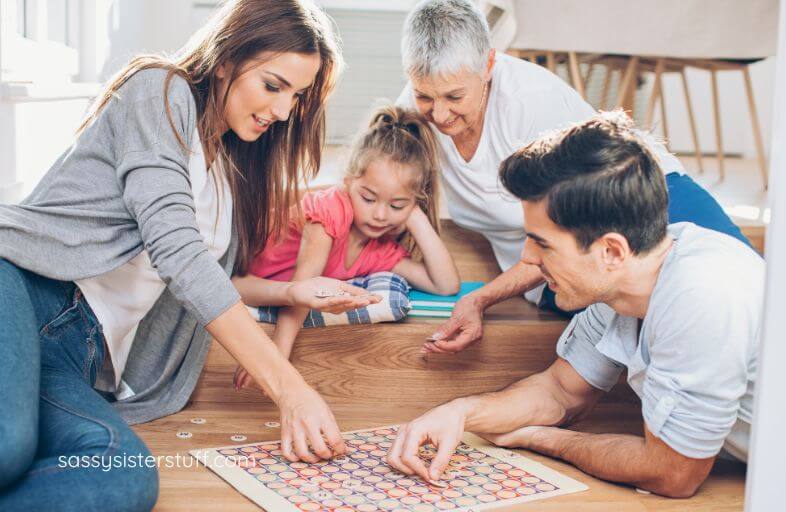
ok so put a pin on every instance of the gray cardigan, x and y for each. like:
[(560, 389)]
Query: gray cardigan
[(124, 186)]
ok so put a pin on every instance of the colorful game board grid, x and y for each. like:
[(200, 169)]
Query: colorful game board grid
[(363, 481)]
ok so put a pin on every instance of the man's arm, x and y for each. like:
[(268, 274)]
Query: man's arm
[(556, 396), (466, 321), (645, 462)]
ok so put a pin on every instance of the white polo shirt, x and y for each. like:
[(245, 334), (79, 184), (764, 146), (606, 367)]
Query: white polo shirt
[(525, 101), (693, 361)]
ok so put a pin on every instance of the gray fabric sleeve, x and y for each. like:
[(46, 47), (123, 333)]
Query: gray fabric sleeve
[(577, 347), (152, 169)]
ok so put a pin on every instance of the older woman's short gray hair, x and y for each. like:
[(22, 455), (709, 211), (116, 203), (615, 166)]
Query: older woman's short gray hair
[(443, 36)]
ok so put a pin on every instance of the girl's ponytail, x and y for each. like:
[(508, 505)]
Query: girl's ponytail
[(405, 137)]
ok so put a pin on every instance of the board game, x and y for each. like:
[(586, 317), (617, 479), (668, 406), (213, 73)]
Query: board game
[(479, 477)]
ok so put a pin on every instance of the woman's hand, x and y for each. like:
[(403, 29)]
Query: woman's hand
[(308, 429), (306, 293)]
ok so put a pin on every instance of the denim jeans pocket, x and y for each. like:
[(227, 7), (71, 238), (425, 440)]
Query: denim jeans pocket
[(73, 339), (68, 314)]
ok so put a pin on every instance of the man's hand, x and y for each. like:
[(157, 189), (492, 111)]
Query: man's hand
[(304, 294), (464, 328), (308, 428), (442, 427)]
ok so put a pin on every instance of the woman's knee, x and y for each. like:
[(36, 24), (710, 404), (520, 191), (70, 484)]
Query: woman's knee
[(136, 478), (18, 443), (139, 487)]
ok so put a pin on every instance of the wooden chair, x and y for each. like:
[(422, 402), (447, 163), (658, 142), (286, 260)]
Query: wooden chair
[(713, 66), (630, 67)]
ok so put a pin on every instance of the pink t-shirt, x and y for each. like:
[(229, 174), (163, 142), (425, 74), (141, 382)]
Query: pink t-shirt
[(333, 209)]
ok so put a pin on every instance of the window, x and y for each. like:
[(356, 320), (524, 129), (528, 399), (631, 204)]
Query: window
[(39, 38)]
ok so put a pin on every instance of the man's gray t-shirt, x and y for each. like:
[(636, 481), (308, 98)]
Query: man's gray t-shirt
[(693, 362)]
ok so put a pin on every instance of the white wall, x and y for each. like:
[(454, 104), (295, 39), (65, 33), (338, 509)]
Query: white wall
[(33, 134)]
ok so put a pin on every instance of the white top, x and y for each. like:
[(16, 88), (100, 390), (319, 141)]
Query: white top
[(122, 297), (693, 361), (525, 101)]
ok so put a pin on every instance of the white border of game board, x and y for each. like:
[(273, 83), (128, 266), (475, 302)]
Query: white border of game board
[(269, 500)]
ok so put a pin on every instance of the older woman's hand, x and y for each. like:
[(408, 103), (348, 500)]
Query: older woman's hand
[(315, 293), (464, 328)]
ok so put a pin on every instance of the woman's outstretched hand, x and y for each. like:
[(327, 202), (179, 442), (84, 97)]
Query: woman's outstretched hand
[(308, 429), (329, 295)]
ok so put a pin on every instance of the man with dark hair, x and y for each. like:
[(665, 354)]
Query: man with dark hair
[(678, 307)]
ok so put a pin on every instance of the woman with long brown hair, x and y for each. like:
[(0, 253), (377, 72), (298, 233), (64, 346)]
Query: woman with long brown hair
[(113, 265)]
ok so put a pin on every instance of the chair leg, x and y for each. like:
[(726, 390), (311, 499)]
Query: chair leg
[(663, 119), (628, 86), (551, 63), (587, 77), (575, 73), (718, 130), (656, 91), (756, 127), (604, 92), (692, 119)]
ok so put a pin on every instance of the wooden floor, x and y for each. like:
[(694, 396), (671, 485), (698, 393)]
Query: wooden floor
[(375, 375)]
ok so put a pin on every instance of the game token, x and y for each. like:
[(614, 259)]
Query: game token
[(184, 435), (326, 294), (238, 438), (198, 421), (642, 491), (272, 424)]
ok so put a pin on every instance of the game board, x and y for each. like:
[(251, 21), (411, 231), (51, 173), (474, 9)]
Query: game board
[(480, 477)]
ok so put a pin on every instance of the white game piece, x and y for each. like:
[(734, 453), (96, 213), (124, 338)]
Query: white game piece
[(184, 435), (198, 421), (272, 424), (326, 294), (642, 491), (238, 438)]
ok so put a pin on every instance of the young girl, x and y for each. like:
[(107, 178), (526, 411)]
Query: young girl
[(384, 218), (117, 264)]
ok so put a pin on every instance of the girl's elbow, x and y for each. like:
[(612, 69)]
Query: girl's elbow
[(451, 288)]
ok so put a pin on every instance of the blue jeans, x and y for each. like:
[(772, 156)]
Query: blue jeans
[(62, 446), (688, 202)]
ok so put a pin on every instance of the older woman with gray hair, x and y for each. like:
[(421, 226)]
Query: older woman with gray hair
[(484, 106)]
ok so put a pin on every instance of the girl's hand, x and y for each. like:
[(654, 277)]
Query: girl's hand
[(307, 293), (416, 218), (242, 379)]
